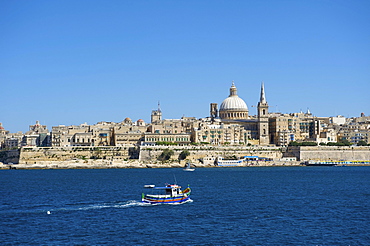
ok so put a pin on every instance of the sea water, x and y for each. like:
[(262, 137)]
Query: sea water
[(230, 206)]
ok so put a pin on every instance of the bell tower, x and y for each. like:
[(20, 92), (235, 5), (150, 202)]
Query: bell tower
[(156, 115), (214, 111), (263, 119)]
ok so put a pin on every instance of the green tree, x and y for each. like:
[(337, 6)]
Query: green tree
[(309, 144), (184, 154), (345, 142), (362, 143), (332, 144), (166, 155), (294, 143)]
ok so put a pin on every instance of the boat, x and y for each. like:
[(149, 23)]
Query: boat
[(169, 194), (336, 163), (241, 162), (188, 167)]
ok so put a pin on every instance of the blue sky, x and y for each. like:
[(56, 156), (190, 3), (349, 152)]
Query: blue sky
[(71, 62)]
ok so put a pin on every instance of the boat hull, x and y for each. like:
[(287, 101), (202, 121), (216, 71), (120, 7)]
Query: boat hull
[(164, 200), (182, 197)]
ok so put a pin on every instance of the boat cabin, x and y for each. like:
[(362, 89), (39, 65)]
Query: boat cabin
[(168, 190), (173, 190)]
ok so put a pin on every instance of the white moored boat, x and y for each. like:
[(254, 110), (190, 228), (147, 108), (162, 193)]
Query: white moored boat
[(188, 167)]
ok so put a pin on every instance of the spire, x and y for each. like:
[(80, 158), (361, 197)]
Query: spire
[(233, 90), (263, 98), (159, 107)]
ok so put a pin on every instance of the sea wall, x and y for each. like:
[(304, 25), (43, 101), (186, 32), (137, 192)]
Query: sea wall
[(151, 153), (147, 156), (9, 156), (334, 153), (33, 155)]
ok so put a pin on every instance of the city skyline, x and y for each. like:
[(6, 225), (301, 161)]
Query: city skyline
[(67, 63)]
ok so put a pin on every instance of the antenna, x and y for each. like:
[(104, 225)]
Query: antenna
[(175, 178)]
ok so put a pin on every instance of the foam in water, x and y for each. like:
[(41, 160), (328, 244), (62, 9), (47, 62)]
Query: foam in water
[(77, 207)]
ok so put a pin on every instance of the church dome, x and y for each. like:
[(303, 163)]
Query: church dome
[(127, 121), (234, 103), (233, 107)]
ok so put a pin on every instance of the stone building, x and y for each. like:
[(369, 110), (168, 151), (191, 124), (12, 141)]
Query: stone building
[(62, 136), (10, 140), (356, 130), (179, 138), (156, 116), (101, 134), (38, 135), (3, 134), (170, 130), (129, 133), (219, 133), (285, 128)]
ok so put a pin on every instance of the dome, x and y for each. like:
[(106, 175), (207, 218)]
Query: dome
[(234, 103), (233, 107), (127, 121)]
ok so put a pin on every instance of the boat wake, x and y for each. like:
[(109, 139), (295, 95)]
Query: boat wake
[(127, 204), (47, 209), (106, 205)]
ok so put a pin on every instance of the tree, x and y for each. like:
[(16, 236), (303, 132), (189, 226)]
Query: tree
[(362, 143), (184, 154), (294, 143), (166, 155), (345, 142)]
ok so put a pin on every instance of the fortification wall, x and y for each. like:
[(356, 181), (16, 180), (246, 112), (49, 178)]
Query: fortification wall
[(9, 156), (146, 156), (335, 153), (151, 153), (34, 155)]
